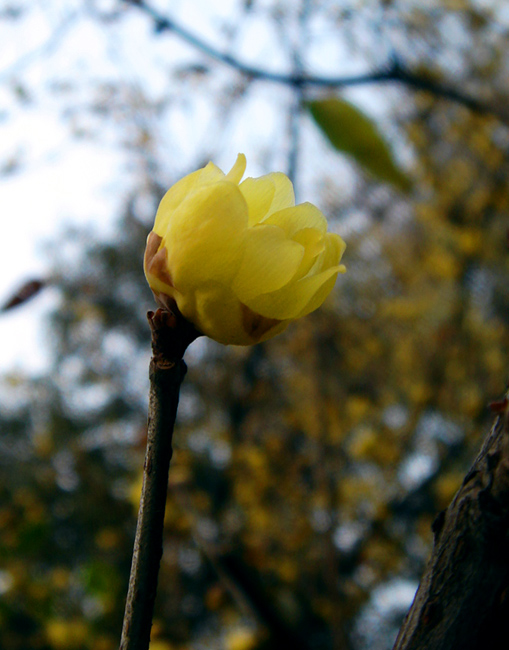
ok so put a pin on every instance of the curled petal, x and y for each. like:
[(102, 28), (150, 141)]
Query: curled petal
[(292, 301), (323, 290), (155, 265), (237, 171), (331, 255), (313, 242)]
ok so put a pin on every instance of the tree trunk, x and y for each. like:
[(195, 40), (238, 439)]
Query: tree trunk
[(463, 600)]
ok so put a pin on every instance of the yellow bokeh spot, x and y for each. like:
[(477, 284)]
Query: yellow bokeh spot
[(241, 638), (66, 634)]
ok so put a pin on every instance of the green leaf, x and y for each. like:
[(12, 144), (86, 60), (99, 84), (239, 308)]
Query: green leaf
[(350, 131)]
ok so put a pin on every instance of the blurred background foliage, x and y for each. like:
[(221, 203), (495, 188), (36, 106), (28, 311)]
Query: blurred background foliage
[(307, 470)]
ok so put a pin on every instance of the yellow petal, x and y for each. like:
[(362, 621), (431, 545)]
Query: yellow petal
[(284, 196), (259, 193), (292, 300), (334, 248), (277, 329), (237, 171), (267, 194), (270, 261), (178, 192), (321, 294), (157, 285), (205, 236), (332, 254), (216, 312), (314, 244), (293, 219), (211, 174), (260, 328)]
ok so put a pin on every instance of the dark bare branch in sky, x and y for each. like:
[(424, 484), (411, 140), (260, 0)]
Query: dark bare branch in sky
[(394, 72)]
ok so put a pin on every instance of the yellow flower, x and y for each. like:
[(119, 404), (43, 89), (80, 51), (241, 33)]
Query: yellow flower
[(240, 260)]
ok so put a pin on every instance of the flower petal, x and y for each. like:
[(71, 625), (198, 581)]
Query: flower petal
[(334, 249), (266, 195), (259, 193), (284, 196), (292, 301), (293, 219), (270, 261), (322, 292), (314, 244), (216, 312), (178, 192), (237, 171), (205, 236), (332, 254)]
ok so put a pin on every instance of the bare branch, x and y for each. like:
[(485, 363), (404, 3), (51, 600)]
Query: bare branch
[(393, 73), (170, 337)]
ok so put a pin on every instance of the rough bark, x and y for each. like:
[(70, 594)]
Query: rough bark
[(463, 600)]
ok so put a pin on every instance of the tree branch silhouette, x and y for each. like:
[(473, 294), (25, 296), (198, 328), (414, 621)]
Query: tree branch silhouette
[(394, 72)]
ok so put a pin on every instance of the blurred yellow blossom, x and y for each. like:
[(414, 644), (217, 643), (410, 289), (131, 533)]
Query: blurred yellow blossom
[(241, 638), (66, 634), (240, 260)]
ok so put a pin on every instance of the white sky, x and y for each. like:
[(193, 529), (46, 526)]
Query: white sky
[(56, 178)]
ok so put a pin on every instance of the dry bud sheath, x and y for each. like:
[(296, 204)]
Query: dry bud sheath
[(167, 370)]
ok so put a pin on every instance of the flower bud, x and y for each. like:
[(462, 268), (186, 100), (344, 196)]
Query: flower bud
[(240, 260)]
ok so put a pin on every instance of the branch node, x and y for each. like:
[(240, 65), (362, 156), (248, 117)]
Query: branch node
[(171, 335)]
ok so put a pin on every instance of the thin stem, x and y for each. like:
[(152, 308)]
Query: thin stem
[(170, 338)]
